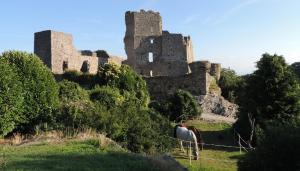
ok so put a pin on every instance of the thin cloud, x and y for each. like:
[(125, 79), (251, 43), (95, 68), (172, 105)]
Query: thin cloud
[(191, 18), (231, 12)]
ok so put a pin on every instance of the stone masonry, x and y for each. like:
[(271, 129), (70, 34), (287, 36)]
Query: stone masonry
[(164, 59), (57, 51)]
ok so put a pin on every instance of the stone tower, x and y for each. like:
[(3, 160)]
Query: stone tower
[(141, 38), (152, 51)]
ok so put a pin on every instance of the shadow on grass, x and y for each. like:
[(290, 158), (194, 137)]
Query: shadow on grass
[(113, 161), (221, 137)]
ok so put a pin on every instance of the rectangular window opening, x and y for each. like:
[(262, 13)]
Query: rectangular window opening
[(150, 57), (151, 41)]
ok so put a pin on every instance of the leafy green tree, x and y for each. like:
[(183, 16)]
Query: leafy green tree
[(39, 88), (11, 99), (277, 149), (182, 103), (229, 83), (272, 94)]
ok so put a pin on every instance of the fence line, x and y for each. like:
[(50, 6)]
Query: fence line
[(216, 145)]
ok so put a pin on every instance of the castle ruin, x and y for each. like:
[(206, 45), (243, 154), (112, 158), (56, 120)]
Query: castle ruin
[(165, 60), (57, 51)]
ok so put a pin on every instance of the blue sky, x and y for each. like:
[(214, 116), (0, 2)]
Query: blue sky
[(234, 33)]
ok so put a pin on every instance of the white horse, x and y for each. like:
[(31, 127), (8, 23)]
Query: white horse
[(187, 136)]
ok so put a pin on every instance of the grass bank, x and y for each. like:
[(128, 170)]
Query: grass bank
[(76, 156)]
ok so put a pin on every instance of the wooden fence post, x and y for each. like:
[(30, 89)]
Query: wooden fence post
[(240, 144), (190, 153)]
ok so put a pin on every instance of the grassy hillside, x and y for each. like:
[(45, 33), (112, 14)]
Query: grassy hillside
[(78, 155), (70, 155), (212, 158)]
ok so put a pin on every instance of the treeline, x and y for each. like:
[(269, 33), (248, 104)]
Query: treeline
[(117, 103), (269, 112)]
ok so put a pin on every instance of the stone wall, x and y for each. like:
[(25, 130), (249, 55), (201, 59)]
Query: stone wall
[(197, 82), (57, 51), (215, 70)]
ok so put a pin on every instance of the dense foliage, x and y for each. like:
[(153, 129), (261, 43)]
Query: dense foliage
[(229, 83), (277, 149), (114, 101), (178, 106), (76, 110), (125, 79), (119, 108), (38, 87), (11, 99), (271, 94), (296, 68)]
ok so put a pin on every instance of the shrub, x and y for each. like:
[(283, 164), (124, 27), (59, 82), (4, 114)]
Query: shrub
[(125, 79), (229, 83), (76, 110), (106, 96), (277, 149), (39, 85), (182, 103), (11, 99)]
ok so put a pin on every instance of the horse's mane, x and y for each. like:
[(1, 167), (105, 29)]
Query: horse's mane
[(175, 128), (196, 132)]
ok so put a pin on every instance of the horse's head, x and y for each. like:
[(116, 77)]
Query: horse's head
[(197, 133)]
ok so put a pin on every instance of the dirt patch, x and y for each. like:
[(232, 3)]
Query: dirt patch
[(217, 118)]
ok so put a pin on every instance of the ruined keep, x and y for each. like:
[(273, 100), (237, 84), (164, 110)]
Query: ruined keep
[(164, 59), (57, 51)]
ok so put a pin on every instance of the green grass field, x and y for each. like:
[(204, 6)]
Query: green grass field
[(90, 155), (70, 155), (212, 158)]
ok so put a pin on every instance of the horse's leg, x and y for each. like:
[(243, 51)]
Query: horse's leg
[(196, 151), (181, 147)]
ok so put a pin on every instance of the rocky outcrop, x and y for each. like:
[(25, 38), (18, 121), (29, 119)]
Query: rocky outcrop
[(216, 104)]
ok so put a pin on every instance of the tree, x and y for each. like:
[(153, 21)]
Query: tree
[(296, 68), (277, 149), (11, 99), (272, 94), (229, 83), (38, 85), (182, 104)]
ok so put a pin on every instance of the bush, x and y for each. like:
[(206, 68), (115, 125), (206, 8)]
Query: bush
[(84, 79), (39, 88), (181, 105), (106, 96), (11, 99), (277, 149), (125, 79), (229, 83), (76, 110)]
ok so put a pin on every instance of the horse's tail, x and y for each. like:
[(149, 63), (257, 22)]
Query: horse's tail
[(175, 129)]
